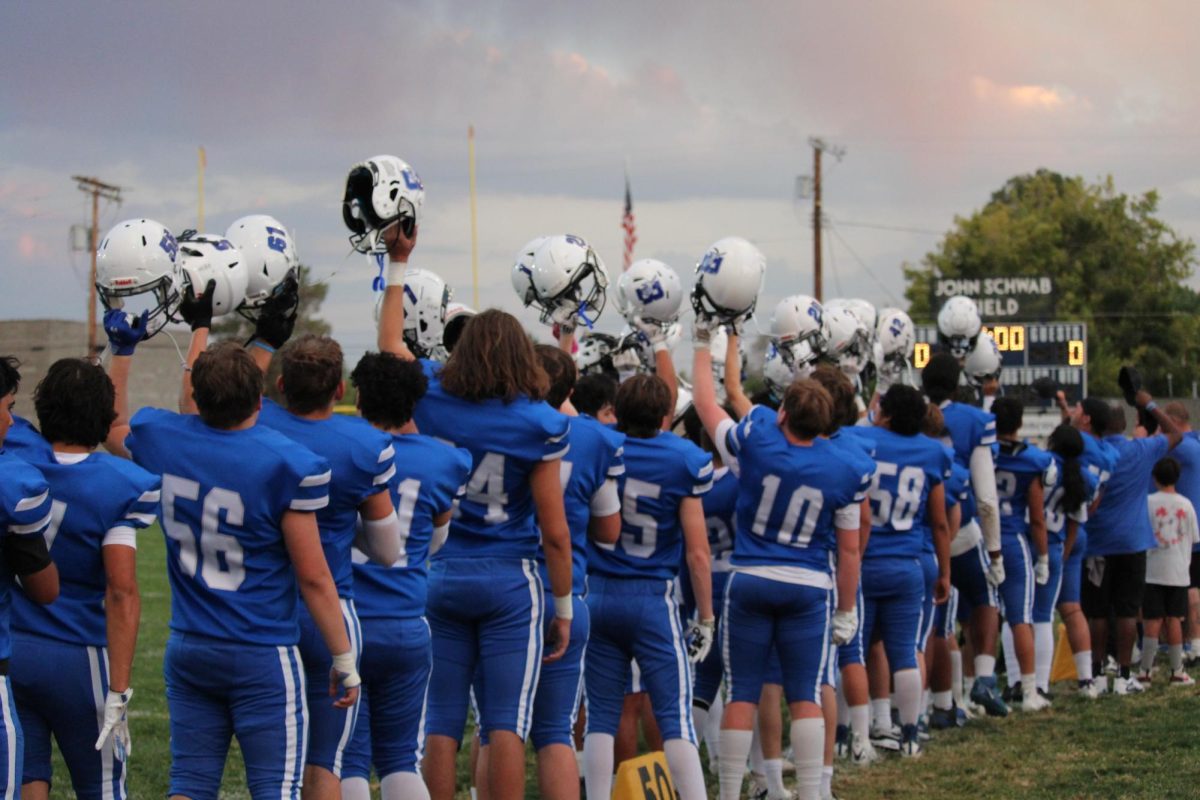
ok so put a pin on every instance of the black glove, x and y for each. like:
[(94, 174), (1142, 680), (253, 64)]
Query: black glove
[(277, 317), (1045, 387), (1130, 381), (198, 311)]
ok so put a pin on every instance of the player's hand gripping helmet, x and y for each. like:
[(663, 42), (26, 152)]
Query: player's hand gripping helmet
[(847, 339), (568, 281), (205, 257), (138, 257), (983, 362), (959, 326), (728, 280), (426, 297), (267, 248), (650, 291), (381, 192), (896, 338)]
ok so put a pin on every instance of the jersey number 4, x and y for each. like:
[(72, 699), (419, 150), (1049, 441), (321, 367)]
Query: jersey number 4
[(217, 557)]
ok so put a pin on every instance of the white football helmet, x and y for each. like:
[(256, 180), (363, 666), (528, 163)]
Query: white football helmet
[(381, 192), (457, 316), (896, 341), (862, 309), (522, 270), (728, 280), (267, 248), (959, 326), (205, 257), (983, 362), (596, 353), (847, 340), (568, 281), (650, 290), (138, 257), (777, 374), (426, 297), (797, 331)]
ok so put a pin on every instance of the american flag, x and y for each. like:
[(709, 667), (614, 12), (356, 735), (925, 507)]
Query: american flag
[(629, 225)]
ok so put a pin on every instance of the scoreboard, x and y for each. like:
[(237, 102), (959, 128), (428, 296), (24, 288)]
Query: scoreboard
[(1028, 351)]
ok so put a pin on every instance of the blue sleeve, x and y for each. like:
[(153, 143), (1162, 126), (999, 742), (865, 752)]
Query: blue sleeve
[(144, 506), (740, 434), (555, 429), (700, 471), (616, 464), (142, 418), (383, 468), (454, 482), (26, 502), (1156, 447), (986, 434), (310, 489)]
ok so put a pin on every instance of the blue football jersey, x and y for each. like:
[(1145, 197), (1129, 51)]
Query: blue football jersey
[(1187, 453), (362, 461), (429, 475), (98, 499), (907, 468), (958, 485), (224, 495), (789, 494), (1056, 515), (1121, 524), (969, 428), (24, 440), (596, 454), (660, 472), (25, 510), (495, 518), (720, 515), (1018, 465)]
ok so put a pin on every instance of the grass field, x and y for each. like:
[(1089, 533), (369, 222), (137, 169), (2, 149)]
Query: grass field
[(1116, 747)]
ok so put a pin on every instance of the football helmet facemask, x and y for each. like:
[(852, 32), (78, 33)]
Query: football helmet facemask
[(138, 257), (381, 192), (567, 280)]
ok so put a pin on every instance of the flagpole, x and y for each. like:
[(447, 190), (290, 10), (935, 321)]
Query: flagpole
[(474, 217), (201, 164)]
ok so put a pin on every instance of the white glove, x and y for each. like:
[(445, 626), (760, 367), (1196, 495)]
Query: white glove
[(653, 333), (700, 639), (345, 671), (1041, 571), (703, 328), (845, 626), (116, 724), (995, 572)]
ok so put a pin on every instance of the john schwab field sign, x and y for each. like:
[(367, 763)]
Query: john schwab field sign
[(1025, 297)]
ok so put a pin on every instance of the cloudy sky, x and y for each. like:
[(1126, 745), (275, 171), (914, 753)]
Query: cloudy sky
[(711, 103)]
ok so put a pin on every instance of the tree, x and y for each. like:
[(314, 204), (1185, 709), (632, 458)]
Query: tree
[(312, 294), (1114, 263)]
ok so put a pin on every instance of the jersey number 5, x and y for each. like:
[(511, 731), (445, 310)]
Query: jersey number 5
[(217, 557)]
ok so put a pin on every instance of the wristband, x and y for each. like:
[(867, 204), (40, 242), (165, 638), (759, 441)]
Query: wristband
[(564, 607), (660, 347), (345, 666), (259, 343), (1151, 406), (395, 273)]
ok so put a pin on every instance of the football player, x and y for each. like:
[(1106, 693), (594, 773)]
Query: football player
[(362, 462), (100, 503), (907, 506), (799, 500), (1024, 474), (977, 564), (1119, 534), (631, 589), (390, 600), (240, 554), (26, 511)]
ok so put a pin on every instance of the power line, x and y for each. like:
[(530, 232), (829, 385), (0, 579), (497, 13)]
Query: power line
[(878, 226), (863, 264)]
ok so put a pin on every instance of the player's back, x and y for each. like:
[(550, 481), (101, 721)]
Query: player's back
[(495, 517), (788, 494), (720, 517), (907, 468), (25, 510), (361, 460), (98, 500), (1120, 523), (969, 428), (596, 455), (429, 475), (660, 473), (1056, 514), (1018, 465), (224, 495)]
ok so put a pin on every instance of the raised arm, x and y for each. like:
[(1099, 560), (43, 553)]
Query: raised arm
[(198, 313), (1166, 425), (704, 391), (733, 378), (124, 333), (391, 314)]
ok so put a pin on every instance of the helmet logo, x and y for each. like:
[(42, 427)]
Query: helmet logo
[(712, 262), (814, 311), (897, 327), (168, 244), (221, 244), (276, 239), (649, 292), (412, 180), (575, 240)]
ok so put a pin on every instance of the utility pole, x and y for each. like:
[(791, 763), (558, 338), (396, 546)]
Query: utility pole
[(819, 146), (97, 189)]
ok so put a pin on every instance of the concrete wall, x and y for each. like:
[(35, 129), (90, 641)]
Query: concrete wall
[(38, 343)]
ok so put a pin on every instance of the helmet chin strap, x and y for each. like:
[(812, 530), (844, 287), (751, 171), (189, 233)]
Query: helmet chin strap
[(379, 284)]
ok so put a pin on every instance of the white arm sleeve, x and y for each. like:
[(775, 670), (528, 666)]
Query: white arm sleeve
[(605, 502), (440, 534), (720, 440), (983, 484), (848, 517), (380, 539)]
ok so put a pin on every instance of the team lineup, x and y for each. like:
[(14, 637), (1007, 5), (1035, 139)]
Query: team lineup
[(514, 543)]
